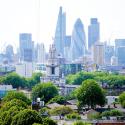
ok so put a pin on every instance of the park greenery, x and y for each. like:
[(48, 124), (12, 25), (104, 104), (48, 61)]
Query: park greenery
[(110, 79), (90, 94), (122, 99), (17, 81)]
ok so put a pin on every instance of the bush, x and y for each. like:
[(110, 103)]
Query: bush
[(81, 123), (73, 116), (58, 99), (61, 110), (48, 121), (113, 112)]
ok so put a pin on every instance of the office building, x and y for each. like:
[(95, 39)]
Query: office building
[(67, 53), (121, 55), (60, 33), (98, 53), (93, 32), (78, 41), (9, 53), (26, 47), (41, 53)]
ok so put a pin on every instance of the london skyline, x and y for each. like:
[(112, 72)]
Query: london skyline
[(26, 16)]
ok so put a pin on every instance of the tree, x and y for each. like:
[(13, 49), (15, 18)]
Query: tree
[(45, 91), (122, 99), (26, 117), (91, 94), (13, 79), (58, 99), (61, 110), (36, 76), (14, 102), (16, 95)]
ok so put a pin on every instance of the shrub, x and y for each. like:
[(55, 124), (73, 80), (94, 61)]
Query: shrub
[(73, 116), (81, 123)]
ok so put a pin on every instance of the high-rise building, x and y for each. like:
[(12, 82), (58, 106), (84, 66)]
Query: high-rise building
[(78, 41), (9, 53), (109, 52), (93, 32), (121, 55), (41, 53), (60, 33), (98, 53), (67, 54), (26, 47)]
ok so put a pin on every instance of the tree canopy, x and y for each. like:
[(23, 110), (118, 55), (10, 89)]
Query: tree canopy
[(122, 99), (45, 91), (16, 95), (91, 94)]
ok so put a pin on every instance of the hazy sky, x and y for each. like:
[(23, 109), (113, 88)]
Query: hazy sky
[(34, 16)]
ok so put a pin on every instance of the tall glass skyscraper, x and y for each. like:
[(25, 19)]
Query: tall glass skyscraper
[(78, 41), (60, 33), (93, 32), (26, 47)]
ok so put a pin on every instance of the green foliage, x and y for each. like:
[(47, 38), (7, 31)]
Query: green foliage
[(14, 102), (13, 79), (91, 94), (48, 121), (73, 116), (16, 95), (31, 82), (122, 99), (26, 117), (112, 80), (45, 91), (37, 124), (61, 110), (78, 78), (36, 76), (58, 99), (81, 123), (94, 116), (113, 112)]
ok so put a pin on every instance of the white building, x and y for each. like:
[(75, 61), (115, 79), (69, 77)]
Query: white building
[(25, 69)]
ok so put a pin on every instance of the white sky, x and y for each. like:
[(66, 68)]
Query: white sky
[(18, 16)]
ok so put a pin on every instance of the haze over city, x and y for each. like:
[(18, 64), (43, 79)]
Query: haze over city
[(39, 17)]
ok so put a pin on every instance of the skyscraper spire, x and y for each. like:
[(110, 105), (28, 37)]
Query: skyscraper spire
[(60, 32)]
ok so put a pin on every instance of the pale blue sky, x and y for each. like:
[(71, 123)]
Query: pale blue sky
[(17, 16)]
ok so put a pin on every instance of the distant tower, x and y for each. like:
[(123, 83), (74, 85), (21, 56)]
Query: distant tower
[(93, 32), (52, 64), (26, 47), (78, 41), (99, 53), (9, 53), (41, 53), (60, 33)]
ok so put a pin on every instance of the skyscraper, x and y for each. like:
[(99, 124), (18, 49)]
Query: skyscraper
[(60, 32), (93, 32), (41, 53), (9, 53), (78, 41), (26, 47)]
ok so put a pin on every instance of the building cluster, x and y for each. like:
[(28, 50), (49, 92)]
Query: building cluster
[(75, 52)]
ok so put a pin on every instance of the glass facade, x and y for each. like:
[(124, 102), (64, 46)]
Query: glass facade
[(60, 33), (93, 32), (78, 41)]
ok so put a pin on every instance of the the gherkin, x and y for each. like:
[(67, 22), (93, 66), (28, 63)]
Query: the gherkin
[(78, 41)]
